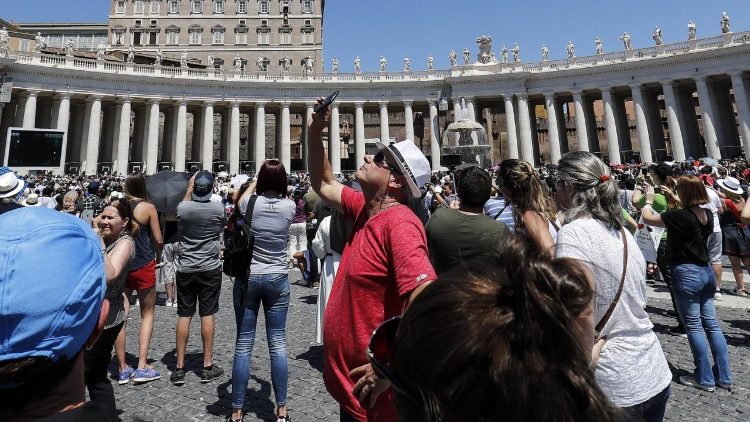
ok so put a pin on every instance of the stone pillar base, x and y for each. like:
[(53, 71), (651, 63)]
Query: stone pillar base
[(692, 45)]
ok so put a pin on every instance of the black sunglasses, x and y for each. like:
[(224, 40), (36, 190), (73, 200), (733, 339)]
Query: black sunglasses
[(379, 159), (380, 354)]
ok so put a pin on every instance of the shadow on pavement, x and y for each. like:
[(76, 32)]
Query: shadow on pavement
[(257, 401), (314, 356), (309, 300)]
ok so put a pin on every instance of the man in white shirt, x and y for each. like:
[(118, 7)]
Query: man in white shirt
[(714, 240)]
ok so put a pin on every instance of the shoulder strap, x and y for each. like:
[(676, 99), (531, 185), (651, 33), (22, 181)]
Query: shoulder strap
[(249, 210), (602, 322), (501, 211)]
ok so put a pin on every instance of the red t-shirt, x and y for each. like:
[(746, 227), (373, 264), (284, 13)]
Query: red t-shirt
[(383, 262)]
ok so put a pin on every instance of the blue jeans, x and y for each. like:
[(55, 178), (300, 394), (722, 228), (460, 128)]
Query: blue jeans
[(652, 410), (694, 291), (272, 290)]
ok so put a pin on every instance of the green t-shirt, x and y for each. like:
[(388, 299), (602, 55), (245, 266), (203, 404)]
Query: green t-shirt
[(453, 237), (660, 205)]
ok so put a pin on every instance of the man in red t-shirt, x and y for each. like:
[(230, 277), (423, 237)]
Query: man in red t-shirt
[(385, 265)]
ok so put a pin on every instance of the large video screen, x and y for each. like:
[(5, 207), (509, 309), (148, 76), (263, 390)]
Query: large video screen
[(35, 149)]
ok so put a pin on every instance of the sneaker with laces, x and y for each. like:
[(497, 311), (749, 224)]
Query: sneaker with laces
[(174, 303), (146, 374), (717, 295), (124, 376), (691, 382), (177, 377), (211, 374)]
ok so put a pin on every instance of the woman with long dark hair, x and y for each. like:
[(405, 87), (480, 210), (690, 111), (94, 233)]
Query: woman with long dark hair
[(631, 368), (142, 279), (268, 284), (534, 212), (693, 281), (504, 338), (116, 228)]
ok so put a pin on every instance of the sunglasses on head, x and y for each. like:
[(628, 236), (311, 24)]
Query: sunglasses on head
[(379, 159), (380, 354)]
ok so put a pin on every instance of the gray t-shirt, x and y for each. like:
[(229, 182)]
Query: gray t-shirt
[(271, 220), (199, 225)]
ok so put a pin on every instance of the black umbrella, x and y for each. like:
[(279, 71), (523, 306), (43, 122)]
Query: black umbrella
[(167, 189)]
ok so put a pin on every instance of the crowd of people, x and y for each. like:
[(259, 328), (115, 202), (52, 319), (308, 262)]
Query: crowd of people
[(453, 296)]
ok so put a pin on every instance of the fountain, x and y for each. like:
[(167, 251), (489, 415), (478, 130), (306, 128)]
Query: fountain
[(472, 142)]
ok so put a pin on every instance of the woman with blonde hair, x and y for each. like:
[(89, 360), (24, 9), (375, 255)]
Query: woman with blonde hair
[(534, 212)]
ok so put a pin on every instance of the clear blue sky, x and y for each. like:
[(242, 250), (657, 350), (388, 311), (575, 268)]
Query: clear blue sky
[(416, 28)]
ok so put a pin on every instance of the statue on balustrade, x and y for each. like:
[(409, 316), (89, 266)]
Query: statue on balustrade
[(41, 43), (183, 59), (159, 57), (485, 49), (692, 31), (657, 36), (467, 56), (725, 23), (335, 65), (571, 50), (308, 65), (453, 58), (131, 55), (599, 45), (430, 62), (286, 64), (69, 47), (383, 64), (261, 64), (504, 54), (237, 64), (4, 40), (100, 51), (407, 64), (357, 65), (516, 53), (627, 41), (545, 53), (211, 61)]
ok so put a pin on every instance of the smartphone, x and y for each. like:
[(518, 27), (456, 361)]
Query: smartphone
[(321, 109), (644, 171)]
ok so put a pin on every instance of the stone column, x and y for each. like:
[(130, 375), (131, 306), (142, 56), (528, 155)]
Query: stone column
[(581, 128), (470, 113), (152, 141), (359, 132), (63, 112), (179, 153), (708, 117), (743, 109), (434, 135), (524, 121), (29, 113), (234, 139), (260, 135), (207, 140), (123, 136), (94, 104), (334, 140), (409, 120), (309, 110), (510, 118), (286, 138), (673, 119), (613, 141), (641, 124), (385, 134), (195, 153), (552, 127)]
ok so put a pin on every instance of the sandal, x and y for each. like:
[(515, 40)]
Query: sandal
[(741, 292)]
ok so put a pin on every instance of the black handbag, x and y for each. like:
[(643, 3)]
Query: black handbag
[(239, 242)]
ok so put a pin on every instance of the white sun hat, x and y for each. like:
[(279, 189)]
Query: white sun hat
[(411, 163)]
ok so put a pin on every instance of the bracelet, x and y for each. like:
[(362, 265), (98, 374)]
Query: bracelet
[(649, 203)]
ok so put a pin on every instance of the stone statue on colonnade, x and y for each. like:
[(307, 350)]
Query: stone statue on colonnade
[(335, 65), (286, 64), (571, 49), (725, 23), (627, 41), (100, 51), (599, 45), (159, 57), (211, 61), (467, 56), (357, 65), (453, 58), (504, 53), (657, 36), (516, 53), (183, 59), (485, 49), (41, 43), (261, 64), (131, 55), (237, 64), (692, 31), (430, 62), (545, 53), (383, 64), (308, 64), (407, 64), (4, 40)]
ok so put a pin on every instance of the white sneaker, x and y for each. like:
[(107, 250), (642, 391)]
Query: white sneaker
[(717, 295), (174, 303), (168, 303)]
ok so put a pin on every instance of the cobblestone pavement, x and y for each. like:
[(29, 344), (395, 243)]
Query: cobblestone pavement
[(308, 399)]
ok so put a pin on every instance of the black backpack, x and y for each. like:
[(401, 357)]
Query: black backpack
[(239, 241)]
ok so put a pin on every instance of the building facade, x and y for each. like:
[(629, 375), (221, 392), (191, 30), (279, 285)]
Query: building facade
[(85, 36), (674, 101), (267, 36)]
